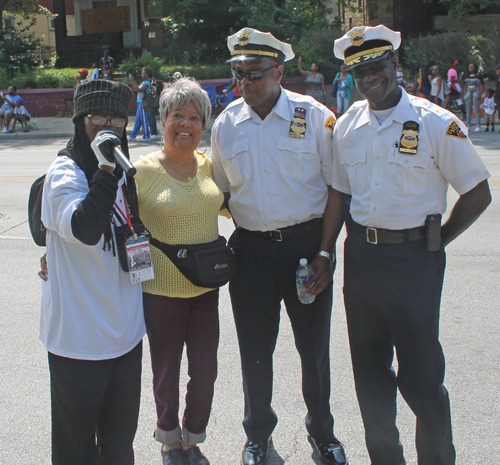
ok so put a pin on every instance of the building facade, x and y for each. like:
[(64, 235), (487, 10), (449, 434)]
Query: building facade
[(413, 17)]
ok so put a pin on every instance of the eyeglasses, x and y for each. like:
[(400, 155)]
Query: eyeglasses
[(360, 71), (251, 75), (100, 120)]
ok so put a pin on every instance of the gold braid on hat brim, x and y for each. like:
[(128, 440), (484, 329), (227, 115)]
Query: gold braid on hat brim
[(254, 52), (367, 55)]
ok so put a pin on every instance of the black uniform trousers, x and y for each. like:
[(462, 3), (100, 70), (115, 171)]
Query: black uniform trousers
[(95, 408), (392, 297), (265, 276)]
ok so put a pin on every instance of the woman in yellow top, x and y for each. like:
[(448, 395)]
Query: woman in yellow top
[(179, 203)]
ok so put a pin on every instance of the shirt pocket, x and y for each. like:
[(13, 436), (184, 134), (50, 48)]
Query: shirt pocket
[(354, 162), (299, 158), (232, 161), (407, 173)]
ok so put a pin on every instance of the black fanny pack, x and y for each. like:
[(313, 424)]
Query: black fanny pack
[(209, 265)]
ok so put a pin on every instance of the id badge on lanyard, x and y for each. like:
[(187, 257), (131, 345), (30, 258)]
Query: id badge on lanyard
[(137, 249), (139, 259)]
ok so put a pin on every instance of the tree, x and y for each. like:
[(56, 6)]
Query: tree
[(23, 8), (196, 30), (461, 9), (18, 47)]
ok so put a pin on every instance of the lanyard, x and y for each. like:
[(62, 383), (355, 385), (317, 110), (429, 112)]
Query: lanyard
[(126, 216)]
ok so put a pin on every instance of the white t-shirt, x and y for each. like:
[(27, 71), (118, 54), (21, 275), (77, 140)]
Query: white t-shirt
[(489, 105), (21, 111), (90, 310)]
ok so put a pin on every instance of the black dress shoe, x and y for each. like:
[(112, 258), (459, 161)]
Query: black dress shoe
[(330, 453), (173, 457), (194, 456), (255, 453)]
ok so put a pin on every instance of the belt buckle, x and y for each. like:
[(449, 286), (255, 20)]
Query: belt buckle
[(368, 236), (276, 235)]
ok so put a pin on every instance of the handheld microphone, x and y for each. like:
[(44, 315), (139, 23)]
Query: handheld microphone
[(113, 152)]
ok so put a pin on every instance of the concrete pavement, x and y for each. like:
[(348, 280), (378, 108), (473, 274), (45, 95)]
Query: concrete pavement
[(61, 128), (470, 335)]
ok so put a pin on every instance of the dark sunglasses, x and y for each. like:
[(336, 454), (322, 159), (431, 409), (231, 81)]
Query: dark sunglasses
[(100, 120), (360, 71), (251, 75)]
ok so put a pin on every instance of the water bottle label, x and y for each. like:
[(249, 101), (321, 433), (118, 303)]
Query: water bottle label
[(302, 280)]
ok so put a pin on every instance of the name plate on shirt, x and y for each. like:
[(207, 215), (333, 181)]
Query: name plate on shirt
[(298, 124), (409, 138)]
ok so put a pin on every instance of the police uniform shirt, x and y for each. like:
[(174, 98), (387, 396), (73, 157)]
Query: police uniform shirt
[(274, 180), (395, 190)]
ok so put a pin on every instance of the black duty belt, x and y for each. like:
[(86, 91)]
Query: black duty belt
[(386, 236), (290, 231)]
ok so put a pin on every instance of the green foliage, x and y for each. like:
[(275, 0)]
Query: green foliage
[(317, 47), (486, 51), (196, 30), (64, 78), (199, 72), (445, 48), (22, 8), (441, 48), (19, 48), (133, 65), (40, 79), (461, 9), (82, 58)]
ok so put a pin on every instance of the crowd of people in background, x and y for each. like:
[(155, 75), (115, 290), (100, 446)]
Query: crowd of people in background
[(450, 90), (145, 119)]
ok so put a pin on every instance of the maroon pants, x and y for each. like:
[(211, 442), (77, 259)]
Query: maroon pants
[(172, 322)]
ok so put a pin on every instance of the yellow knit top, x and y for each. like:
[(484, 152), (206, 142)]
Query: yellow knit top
[(177, 213)]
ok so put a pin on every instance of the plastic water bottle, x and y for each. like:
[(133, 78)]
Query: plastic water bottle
[(302, 275)]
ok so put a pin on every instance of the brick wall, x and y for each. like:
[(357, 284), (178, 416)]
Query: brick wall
[(46, 102), (49, 102)]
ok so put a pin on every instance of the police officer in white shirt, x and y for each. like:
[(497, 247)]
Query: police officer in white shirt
[(395, 155), (272, 158)]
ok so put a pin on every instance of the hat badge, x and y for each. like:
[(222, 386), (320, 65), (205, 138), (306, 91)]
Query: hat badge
[(357, 37), (244, 36)]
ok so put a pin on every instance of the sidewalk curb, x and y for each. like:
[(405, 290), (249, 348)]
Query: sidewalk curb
[(38, 135)]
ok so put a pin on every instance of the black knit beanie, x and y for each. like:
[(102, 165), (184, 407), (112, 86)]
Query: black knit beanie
[(102, 95)]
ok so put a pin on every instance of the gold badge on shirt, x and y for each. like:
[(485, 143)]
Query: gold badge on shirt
[(298, 124), (409, 138), (330, 123), (455, 131)]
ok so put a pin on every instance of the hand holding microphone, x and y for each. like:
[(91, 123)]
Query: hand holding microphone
[(106, 147)]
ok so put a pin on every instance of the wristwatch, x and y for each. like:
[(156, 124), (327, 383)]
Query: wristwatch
[(324, 253)]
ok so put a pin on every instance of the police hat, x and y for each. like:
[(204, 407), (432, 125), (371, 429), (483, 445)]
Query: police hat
[(362, 45), (251, 44)]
